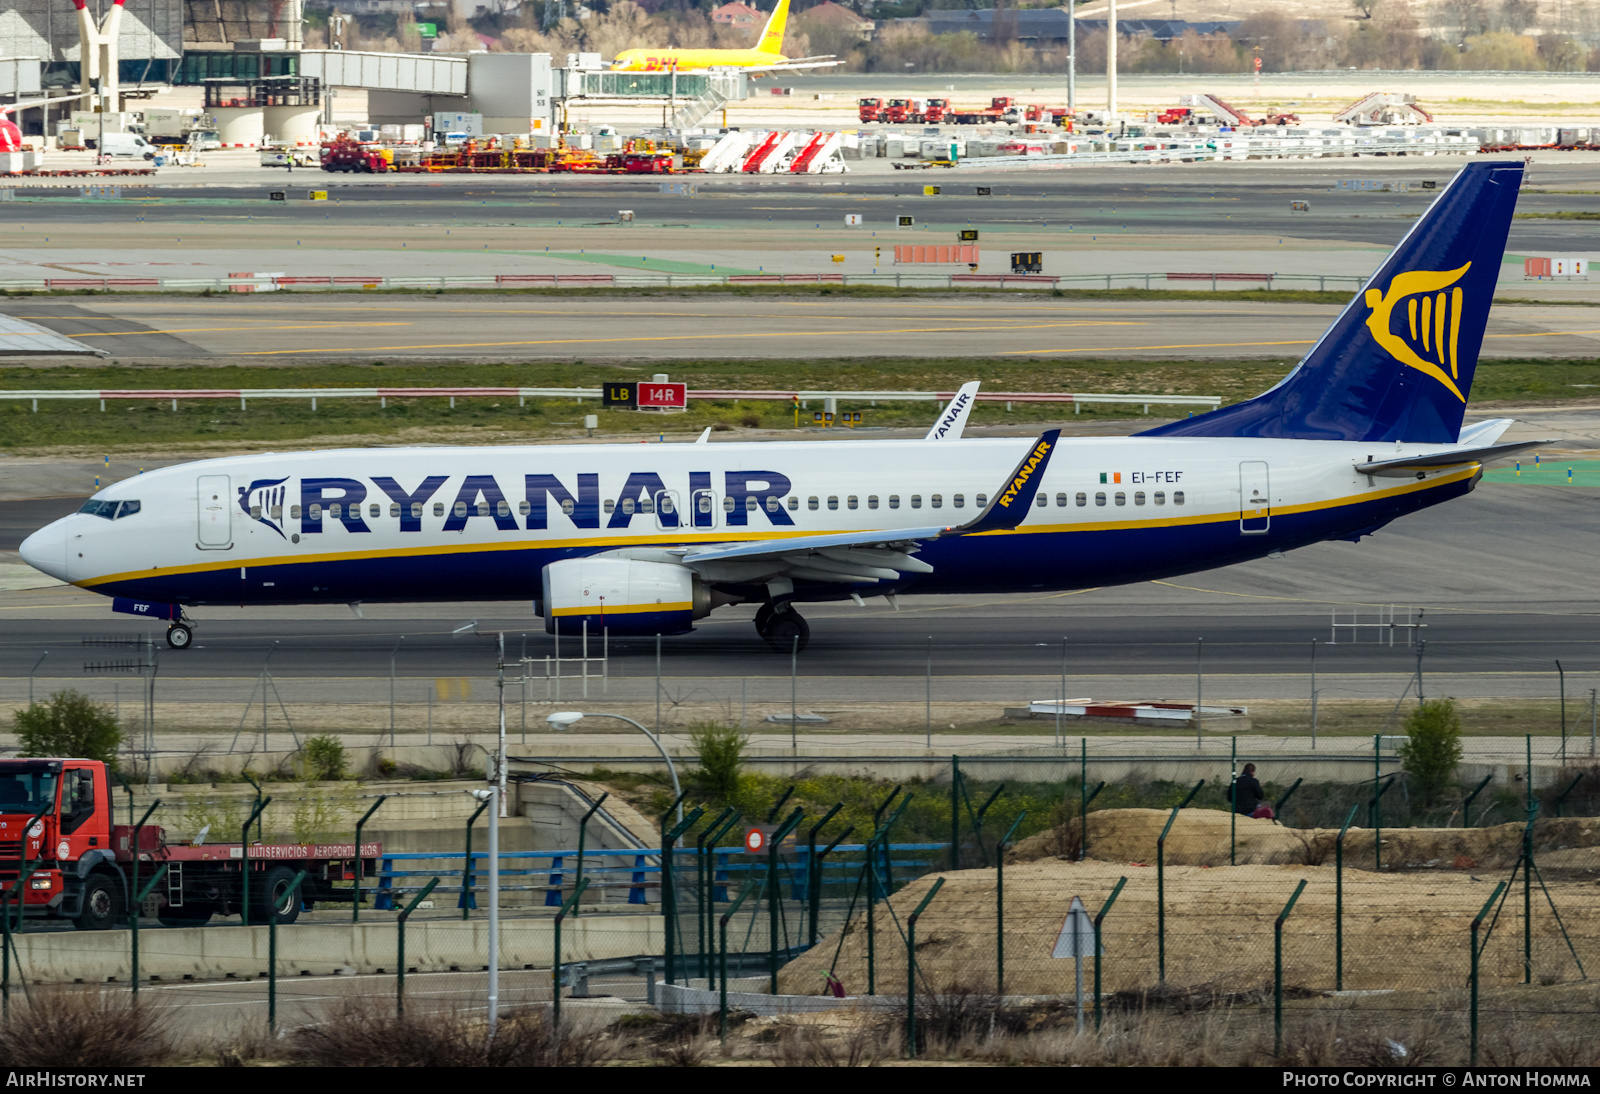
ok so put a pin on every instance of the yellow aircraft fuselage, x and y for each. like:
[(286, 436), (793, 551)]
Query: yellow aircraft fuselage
[(685, 60)]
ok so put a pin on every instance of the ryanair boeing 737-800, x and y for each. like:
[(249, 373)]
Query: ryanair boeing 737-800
[(645, 539)]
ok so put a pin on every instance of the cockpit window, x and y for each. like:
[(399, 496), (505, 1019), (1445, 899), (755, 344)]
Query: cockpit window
[(109, 509)]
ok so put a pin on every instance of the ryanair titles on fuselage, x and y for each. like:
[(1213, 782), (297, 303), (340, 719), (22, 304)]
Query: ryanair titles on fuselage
[(524, 505)]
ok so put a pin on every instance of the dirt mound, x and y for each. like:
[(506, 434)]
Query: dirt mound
[(1201, 837), (1401, 931)]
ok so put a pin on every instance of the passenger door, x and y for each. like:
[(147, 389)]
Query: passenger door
[(1255, 498), (214, 513)]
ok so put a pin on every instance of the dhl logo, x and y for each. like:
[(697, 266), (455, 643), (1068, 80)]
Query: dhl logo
[(1431, 326), (1041, 452)]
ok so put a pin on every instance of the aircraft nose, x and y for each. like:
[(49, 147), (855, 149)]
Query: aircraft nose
[(46, 550)]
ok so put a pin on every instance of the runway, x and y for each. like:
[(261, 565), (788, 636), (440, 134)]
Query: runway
[(264, 330)]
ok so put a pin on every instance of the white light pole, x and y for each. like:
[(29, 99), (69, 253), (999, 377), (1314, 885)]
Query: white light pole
[(562, 719), (1111, 63), (494, 898)]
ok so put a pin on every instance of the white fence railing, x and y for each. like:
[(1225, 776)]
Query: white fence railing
[(522, 394), (1216, 282)]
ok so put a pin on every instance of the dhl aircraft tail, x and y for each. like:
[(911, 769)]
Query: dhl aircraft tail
[(772, 35), (1397, 364)]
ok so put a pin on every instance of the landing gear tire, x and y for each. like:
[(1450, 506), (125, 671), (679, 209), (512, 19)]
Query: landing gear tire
[(102, 904), (764, 616), (782, 630), (179, 635), (274, 900)]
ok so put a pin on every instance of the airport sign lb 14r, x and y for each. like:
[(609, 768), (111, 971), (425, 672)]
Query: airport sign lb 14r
[(650, 395)]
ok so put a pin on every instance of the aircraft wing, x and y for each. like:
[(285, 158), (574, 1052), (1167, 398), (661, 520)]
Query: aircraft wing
[(874, 555), (792, 66), (1407, 466)]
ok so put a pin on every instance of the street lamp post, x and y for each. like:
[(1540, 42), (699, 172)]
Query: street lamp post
[(563, 719)]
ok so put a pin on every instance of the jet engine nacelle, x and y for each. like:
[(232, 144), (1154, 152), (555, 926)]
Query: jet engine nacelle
[(623, 596)]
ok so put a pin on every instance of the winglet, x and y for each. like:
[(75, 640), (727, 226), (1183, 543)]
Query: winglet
[(1009, 507), (954, 418), (705, 436)]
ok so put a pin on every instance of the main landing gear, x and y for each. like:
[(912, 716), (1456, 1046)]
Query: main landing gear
[(780, 625), (180, 634)]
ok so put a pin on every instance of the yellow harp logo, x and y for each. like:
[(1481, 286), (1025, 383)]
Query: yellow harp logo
[(1431, 325)]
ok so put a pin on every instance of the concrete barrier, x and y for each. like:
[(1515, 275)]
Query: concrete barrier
[(324, 949)]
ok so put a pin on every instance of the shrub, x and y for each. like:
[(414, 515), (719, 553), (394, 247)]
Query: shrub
[(721, 752), (68, 724), (1432, 748), (75, 1029), (324, 758)]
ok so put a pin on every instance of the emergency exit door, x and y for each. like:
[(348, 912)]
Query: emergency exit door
[(1255, 498), (213, 512)]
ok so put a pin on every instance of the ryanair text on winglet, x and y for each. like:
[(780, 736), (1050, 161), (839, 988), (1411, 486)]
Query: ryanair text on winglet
[(1040, 451)]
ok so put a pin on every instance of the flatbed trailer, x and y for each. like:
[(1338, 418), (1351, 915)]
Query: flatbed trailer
[(58, 839)]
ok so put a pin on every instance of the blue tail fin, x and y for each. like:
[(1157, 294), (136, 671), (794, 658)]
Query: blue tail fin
[(1397, 364)]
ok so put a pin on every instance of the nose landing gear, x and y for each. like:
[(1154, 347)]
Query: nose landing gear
[(780, 625), (180, 635)]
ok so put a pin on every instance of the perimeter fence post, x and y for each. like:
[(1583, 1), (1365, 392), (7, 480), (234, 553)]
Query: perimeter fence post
[(1499, 888), (360, 863), (775, 894), (138, 894), (1000, 906), (955, 813), (1338, 901), (911, 970), (244, 861), (400, 947), (722, 957), (669, 903), (468, 899), (1161, 885), (814, 873), (555, 969), (292, 894), (1277, 969), (1105, 909)]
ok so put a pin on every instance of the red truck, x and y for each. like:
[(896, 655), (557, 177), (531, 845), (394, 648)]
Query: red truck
[(935, 111), (996, 111), (902, 111), (348, 154), (57, 829), (871, 110)]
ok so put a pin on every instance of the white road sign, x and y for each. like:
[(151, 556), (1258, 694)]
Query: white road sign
[(1077, 933)]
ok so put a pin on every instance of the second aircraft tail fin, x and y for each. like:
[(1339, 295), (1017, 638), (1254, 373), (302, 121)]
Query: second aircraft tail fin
[(772, 34)]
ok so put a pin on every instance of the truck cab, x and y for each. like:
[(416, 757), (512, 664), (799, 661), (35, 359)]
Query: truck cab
[(55, 818)]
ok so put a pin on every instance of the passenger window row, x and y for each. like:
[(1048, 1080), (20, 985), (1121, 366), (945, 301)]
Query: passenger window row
[(629, 506)]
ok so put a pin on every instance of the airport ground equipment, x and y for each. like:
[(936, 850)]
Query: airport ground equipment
[(870, 110), (57, 828), (1384, 108), (346, 154)]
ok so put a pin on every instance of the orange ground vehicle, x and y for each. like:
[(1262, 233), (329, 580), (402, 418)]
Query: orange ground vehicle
[(870, 110)]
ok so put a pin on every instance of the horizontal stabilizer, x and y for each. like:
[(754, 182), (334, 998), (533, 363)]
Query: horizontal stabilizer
[(1407, 465)]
